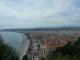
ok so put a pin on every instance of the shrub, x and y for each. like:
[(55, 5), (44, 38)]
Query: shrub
[(6, 52)]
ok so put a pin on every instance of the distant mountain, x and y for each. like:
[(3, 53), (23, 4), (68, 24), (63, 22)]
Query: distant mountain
[(77, 28)]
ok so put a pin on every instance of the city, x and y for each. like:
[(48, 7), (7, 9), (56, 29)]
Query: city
[(40, 43)]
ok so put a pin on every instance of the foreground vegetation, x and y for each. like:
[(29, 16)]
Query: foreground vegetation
[(71, 51), (6, 52)]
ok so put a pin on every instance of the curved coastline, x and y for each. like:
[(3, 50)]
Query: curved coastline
[(13, 39), (24, 46)]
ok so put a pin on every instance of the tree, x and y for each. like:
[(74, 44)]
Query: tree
[(6, 52), (25, 57), (77, 43), (77, 46), (70, 51)]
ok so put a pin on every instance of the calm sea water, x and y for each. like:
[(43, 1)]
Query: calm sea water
[(12, 38)]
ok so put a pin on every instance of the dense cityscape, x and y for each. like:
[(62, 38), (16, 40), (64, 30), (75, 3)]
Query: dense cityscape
[(42, 42), (39, 29)]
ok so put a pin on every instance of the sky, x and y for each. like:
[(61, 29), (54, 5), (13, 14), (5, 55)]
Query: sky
[(39, 13)]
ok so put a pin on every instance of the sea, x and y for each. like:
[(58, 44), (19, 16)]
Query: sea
[(13, 39)]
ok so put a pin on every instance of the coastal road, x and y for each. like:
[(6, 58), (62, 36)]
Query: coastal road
[(35, 50)]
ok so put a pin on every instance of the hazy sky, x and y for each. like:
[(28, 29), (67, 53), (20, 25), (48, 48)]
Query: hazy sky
[(39, 13)]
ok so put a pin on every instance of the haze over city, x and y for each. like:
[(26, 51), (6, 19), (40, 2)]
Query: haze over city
[(39, 13), (39, 29)]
